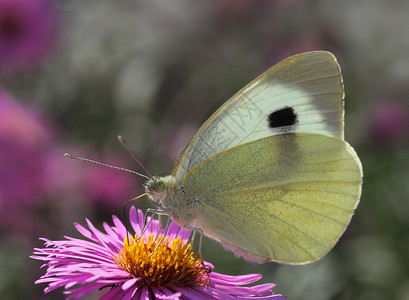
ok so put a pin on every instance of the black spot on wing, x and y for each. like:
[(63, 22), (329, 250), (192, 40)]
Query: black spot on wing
[(282, 117)]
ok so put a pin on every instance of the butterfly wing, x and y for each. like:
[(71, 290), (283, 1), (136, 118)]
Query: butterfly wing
[(269, 173), (285, 198), (303, 93)]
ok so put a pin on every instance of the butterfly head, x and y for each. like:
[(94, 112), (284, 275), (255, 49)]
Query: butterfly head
[(157, 188)]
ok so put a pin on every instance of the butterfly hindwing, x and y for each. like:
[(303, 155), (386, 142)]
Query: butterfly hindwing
[(266, 202)]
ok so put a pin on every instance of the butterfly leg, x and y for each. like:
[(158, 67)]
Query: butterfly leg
[(158, 211), (200, 231)]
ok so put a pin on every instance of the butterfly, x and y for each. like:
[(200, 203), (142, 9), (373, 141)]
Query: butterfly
[(269, 174)]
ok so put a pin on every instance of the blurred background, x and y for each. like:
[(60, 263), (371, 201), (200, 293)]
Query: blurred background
[(75, 74)]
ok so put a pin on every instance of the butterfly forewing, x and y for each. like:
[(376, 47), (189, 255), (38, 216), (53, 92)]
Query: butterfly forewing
[(308, 84)]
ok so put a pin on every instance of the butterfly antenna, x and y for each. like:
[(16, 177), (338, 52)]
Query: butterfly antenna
[(122, 141), (105, 165)]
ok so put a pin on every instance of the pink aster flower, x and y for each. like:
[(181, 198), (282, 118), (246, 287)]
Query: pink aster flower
[(27, 30), (144, 268)]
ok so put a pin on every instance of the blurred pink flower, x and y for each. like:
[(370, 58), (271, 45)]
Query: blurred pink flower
[(24, 143), (24, 140), (106, 186), (36, 177), (389, 122), (27, 30)]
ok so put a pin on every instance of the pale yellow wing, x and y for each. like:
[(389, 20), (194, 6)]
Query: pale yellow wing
[(303, 93), (285, 198)]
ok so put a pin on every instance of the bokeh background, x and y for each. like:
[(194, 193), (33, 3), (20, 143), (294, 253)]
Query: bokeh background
[(75, 74)]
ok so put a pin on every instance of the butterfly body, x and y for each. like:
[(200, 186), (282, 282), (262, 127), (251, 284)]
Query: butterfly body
[(269, 174)]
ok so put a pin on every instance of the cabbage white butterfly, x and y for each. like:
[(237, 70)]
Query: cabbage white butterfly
[(269, 174)]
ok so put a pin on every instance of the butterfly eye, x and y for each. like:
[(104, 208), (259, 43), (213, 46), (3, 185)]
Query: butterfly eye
[(158, 186)]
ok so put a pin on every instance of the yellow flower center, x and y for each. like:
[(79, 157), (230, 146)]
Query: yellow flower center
[(160, 264)]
